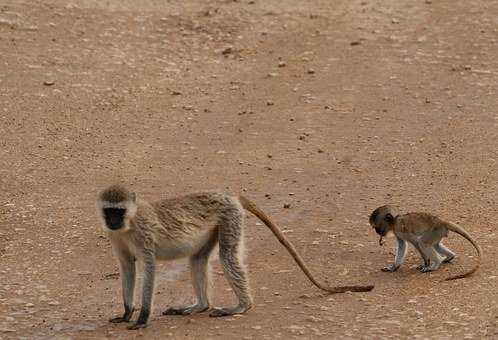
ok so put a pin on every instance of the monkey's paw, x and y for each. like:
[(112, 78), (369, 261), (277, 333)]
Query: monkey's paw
[(389, 269), (185, 310), (137, 326), (118, 319), (219, 312), (426, 269)]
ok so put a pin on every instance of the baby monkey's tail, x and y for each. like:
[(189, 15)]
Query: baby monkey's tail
[(459, 230)]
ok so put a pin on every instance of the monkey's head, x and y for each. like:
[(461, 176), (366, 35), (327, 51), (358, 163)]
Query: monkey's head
[(382, 219), (116, 206)]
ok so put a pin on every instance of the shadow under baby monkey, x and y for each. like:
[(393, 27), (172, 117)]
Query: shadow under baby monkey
[(424, 231)]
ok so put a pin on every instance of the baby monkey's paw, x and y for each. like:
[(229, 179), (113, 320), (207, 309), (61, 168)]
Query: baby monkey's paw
[(390, 269), (137, 326)]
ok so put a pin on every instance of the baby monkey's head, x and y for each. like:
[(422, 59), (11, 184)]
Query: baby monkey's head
[(382, 219)]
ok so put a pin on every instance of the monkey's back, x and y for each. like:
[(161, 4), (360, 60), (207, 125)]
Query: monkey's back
[(194, 212), (418, 223)]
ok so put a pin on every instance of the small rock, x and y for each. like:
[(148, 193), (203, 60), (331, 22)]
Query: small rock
[(227, 50), (355, 43), (313, 319), (287, 206), (83, 273), (48, 82), (311, 71), (282, 64), (269, 103), (395, 21), (31, 28), (7, 330)]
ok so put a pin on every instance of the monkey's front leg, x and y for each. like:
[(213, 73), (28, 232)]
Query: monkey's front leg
[(147, 291), (127, 273), (400, 256)]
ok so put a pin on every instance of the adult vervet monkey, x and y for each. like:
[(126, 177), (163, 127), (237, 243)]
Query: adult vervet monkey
[(187, 226)]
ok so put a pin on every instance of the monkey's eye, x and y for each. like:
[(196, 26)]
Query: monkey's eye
[(114, 217)]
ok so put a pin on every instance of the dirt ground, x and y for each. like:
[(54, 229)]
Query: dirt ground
[(333, 107)]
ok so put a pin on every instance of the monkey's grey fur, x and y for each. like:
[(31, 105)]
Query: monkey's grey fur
[(425, 232), (187, 226)]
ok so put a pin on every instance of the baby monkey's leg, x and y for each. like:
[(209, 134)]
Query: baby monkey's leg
[(400, 256), (447, 254)]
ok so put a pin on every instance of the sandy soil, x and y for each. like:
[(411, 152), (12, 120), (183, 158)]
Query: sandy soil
[(333, 107)]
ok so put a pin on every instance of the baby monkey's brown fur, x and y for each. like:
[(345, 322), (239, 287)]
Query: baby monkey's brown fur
[(424, 232), (187, 226)]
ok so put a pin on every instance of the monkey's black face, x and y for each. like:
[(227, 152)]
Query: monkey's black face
[(114, 218), (382, 220), (381, 226), (381, 231)]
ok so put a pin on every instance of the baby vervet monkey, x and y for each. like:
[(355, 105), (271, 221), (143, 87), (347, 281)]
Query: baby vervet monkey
[(424, 232), (187, 226)]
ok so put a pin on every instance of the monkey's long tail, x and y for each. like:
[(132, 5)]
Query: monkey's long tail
[(459, 230), (250, 206)]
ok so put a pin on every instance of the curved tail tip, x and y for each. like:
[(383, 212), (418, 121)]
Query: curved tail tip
[(366, 288), (451, 278), (457, 277), (352, 289)]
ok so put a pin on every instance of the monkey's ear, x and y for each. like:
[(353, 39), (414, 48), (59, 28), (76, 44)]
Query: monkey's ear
[(134, 197), (389, 218)]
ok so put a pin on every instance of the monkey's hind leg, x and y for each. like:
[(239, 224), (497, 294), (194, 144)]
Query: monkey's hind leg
[(231, 244), (447, 254), (200, 271), (434, 260)]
